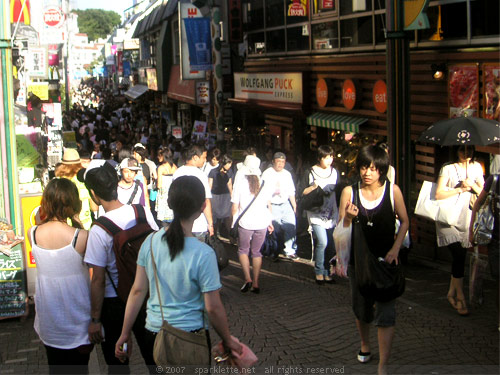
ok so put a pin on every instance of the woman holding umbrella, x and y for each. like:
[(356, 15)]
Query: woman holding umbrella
[(463, 178)]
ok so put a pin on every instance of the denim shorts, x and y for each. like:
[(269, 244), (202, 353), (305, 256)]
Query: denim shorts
[(384, 313)]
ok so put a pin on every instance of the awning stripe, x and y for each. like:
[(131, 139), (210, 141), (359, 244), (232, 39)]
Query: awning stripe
[(336, 121)]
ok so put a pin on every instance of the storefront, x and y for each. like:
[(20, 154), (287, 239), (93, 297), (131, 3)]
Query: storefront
[(340, 47)]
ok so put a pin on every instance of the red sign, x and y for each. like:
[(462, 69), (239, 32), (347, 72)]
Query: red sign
[(327, 4), (380, 96), (53, 17), (15, 11), (322, 92), (297, 9), (349, 94)]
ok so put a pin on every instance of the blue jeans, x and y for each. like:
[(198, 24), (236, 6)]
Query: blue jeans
[(324, 249), (284, 226)]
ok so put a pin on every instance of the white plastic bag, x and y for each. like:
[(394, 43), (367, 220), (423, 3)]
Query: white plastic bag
[(342, 239)]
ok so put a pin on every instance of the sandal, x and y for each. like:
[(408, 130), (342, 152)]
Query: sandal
[(452, 301), (462, 308)]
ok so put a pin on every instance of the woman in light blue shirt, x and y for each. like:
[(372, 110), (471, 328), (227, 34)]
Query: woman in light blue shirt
[(187, 274)]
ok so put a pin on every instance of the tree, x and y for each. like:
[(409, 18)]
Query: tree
[(97, 23)]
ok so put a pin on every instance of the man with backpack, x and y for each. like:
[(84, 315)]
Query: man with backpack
[(112, 248)]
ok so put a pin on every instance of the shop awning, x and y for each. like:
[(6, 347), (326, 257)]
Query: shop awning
[(336, 121), (136, 91)]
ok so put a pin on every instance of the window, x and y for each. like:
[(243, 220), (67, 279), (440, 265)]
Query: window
[(254, 14), (275, 14), (325, 35), (298, 38), (356, 31), (352, 6), (484, 18), (256, 43), (450, 20), (275, 40)]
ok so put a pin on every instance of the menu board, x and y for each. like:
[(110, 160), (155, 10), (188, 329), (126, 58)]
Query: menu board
[(463, 89), (13, 296), (491, 95)]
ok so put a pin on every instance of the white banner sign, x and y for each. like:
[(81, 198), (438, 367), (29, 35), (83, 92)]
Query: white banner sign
[(37, 62), (187, 10), (275, 87)]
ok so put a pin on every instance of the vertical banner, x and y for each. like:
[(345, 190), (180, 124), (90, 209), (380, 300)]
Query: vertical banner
[(37, 62), (491, 91), (199, 43), (119, 58), (463, 90), (187, 10)]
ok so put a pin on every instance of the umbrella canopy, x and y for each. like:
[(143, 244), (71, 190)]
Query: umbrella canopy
[(462, 131)]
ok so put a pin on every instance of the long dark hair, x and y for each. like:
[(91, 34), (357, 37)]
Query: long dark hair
[(185, 197)]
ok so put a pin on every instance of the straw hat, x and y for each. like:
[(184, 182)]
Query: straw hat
[(71, 156)]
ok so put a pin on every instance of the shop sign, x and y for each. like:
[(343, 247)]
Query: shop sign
[(327, 4), (113, 49), (323, 90), (199, 131), (199, 40), (37, 62), (110, 60), (415, 14), (349, 94), (40, 89), (16, 6), (53, 16), (298, 8), (187, 10), (52, 35), (30, 206), (380, 96), (177, 132), (202, 93), (119, 59), (151, 77), (131, 44), (491, 94), (274, 87)]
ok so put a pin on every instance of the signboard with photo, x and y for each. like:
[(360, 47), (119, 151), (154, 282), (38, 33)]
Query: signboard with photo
[(463, 90), (199, 131), (491, 94)]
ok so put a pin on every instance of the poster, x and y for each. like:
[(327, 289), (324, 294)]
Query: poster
[(199, 130), (491, 94), (199, 42), (13, 297), (202, 93), (463, 90)]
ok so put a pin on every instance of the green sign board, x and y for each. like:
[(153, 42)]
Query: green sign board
[(13, 297)]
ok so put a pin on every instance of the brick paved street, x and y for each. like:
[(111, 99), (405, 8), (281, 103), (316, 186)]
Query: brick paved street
[(296, 326)]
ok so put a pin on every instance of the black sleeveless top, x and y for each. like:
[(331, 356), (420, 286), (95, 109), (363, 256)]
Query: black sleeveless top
[(379, 224)]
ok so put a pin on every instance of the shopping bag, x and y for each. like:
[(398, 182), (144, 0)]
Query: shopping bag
[(478, 266), (342, 240)]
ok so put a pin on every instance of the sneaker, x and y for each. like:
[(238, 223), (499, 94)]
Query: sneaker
[(364, 357)]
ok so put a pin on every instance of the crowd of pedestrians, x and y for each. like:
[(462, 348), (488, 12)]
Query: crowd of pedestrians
[(136, 174)]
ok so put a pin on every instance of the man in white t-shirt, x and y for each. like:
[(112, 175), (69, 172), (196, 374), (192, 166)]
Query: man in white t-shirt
[(283, 203), (107, 310), (131, 190), (195, 157)]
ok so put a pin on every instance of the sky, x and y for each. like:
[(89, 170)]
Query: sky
[(117, 5)]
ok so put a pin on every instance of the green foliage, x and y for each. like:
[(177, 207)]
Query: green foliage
[(97, 23)]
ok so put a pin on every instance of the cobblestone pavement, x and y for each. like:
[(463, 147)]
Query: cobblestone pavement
[(296, 327)]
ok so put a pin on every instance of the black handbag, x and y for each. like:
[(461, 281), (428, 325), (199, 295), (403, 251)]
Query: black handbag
[(312, 200), (233, 232), (375, 277), (269, 246), (219, 249)]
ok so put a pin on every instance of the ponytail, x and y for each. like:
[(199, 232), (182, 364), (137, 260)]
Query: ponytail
[(174, 237)]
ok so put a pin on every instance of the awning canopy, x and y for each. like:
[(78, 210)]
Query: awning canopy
[(336, 121), (136, 91)]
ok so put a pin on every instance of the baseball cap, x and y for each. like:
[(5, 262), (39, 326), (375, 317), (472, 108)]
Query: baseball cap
[(139, 145), (130, 163), (279, 155), (99, 176)]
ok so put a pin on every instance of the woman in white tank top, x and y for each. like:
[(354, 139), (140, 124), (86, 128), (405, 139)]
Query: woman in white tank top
[(62, 297)]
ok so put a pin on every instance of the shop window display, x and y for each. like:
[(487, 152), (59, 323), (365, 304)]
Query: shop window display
[(296, 40), (292, 13), (325, 35), (351, 6), (256, 43), (453, 22)]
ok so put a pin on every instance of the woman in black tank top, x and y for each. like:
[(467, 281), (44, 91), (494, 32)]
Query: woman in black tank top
[(377, 216)]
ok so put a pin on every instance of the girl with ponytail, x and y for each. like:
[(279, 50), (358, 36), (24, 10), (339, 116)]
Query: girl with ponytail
[(187, 274)]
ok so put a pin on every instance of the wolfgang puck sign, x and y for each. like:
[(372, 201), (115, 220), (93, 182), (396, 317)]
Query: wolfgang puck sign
[(275, 87)]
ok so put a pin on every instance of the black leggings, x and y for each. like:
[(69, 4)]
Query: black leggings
[(458, 254)]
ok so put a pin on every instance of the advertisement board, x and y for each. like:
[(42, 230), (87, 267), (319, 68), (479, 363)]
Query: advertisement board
[(276, 87), (187, 10)]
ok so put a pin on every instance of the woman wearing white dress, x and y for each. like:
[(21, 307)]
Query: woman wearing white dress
[(62, 297)]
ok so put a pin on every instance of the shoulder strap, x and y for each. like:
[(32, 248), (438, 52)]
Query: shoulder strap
[(493, 186), (140, 214), (247, 207), (33, 233), (75, 237), (108, 225), (132, 196), (158, 291)]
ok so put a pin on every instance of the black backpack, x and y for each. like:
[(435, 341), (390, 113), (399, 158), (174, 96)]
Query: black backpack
[(126, 246)]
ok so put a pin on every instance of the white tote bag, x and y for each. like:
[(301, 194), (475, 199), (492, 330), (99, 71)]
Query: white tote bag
[(442, 210)]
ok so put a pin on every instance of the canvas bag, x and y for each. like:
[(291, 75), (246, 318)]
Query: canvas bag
[(443, 210), (174, 346)]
